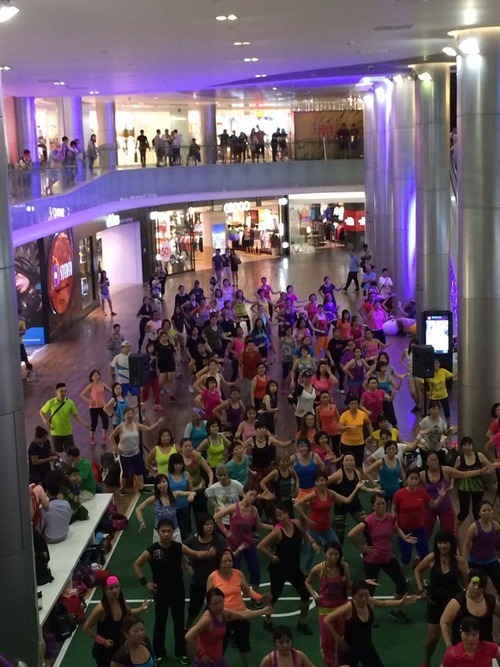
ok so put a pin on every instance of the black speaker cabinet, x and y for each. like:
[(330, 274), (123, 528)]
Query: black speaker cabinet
[(423, 361), (138, 365)]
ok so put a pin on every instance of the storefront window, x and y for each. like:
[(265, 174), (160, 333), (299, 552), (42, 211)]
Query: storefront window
[(86, 272), (253, 230), (175, 239)]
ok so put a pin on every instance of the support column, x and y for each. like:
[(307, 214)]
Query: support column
[(106, 135), (208, 113), (369, 159), (382, 211), (478, 102), (18, 601), (70, 119), (403, 188), (70, 124), (27, 185), (27, 136), (432, 134)]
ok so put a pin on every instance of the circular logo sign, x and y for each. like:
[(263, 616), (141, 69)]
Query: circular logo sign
[(60, 272)]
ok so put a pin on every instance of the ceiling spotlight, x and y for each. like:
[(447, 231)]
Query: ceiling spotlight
[(5, 68), (221, 18), (260, 76), (232, 17), (274, 88), (425, 76), (450, 51), (59, 83), (93, 92), (241, 43), (469, 46), (7, 11)]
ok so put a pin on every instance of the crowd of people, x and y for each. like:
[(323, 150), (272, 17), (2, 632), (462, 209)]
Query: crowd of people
[(232, 496)]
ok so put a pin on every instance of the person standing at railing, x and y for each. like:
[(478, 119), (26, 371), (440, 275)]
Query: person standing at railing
[(92, 152), (343, 137), (176, 148), (159, 147), (283, 145), (223, 145), (260, 137), (63, 155), (142, 144), (25, 167), (193, 153), (274, 144)]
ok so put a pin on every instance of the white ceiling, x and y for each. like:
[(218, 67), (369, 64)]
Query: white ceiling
[(167, 46)]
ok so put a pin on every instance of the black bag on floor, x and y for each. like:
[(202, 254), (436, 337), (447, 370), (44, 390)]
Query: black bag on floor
[(42, 558), (62, 623), (110, 469)]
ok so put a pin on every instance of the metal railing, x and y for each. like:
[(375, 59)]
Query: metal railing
[(48, 178)]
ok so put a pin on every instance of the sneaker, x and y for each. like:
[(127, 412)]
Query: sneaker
[(159, 662), (304, 629), (268, 625), (400, 615), (158, 407), (183, 659)]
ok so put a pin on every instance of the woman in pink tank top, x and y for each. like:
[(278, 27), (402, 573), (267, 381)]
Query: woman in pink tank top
[(284, 654), (94, 395)]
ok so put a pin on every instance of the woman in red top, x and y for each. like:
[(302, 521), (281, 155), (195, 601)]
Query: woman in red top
[(471, 651), (495, 424), (307, 428), (344, 325), (327, 419), (319, 503), (206, 638), (372, 401), (321, 447), (408, 506), (259, 385)]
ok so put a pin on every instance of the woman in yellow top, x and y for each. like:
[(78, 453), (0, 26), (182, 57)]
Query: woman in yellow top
[(216, 445), (158, 458), (437, 390), (351, 427)]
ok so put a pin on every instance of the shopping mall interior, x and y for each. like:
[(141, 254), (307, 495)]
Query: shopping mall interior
[(351, 141)]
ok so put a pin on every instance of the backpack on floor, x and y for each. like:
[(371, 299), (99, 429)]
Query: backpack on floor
[(42, 558)]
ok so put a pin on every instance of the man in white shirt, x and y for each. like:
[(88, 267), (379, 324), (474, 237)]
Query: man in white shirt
[(385, 284), (120, 370)]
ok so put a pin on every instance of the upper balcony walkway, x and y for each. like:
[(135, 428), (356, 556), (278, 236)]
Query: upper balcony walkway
[(126, 188)]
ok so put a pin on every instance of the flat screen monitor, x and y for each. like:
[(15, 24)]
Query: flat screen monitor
[(437, 332)]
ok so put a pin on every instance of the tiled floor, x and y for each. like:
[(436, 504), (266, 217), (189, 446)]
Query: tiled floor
[(84, 346)]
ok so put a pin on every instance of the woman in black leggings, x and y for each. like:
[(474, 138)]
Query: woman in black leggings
[(471, 489), (356, 646)]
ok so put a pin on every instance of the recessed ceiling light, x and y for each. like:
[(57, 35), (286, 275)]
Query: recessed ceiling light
[(221, 18), (5, 68), (274, 88), (450, 51), (7, 11), (93, 92), (260, 76), (232, 17), (59, 83), (250, 60), (241, 43)]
